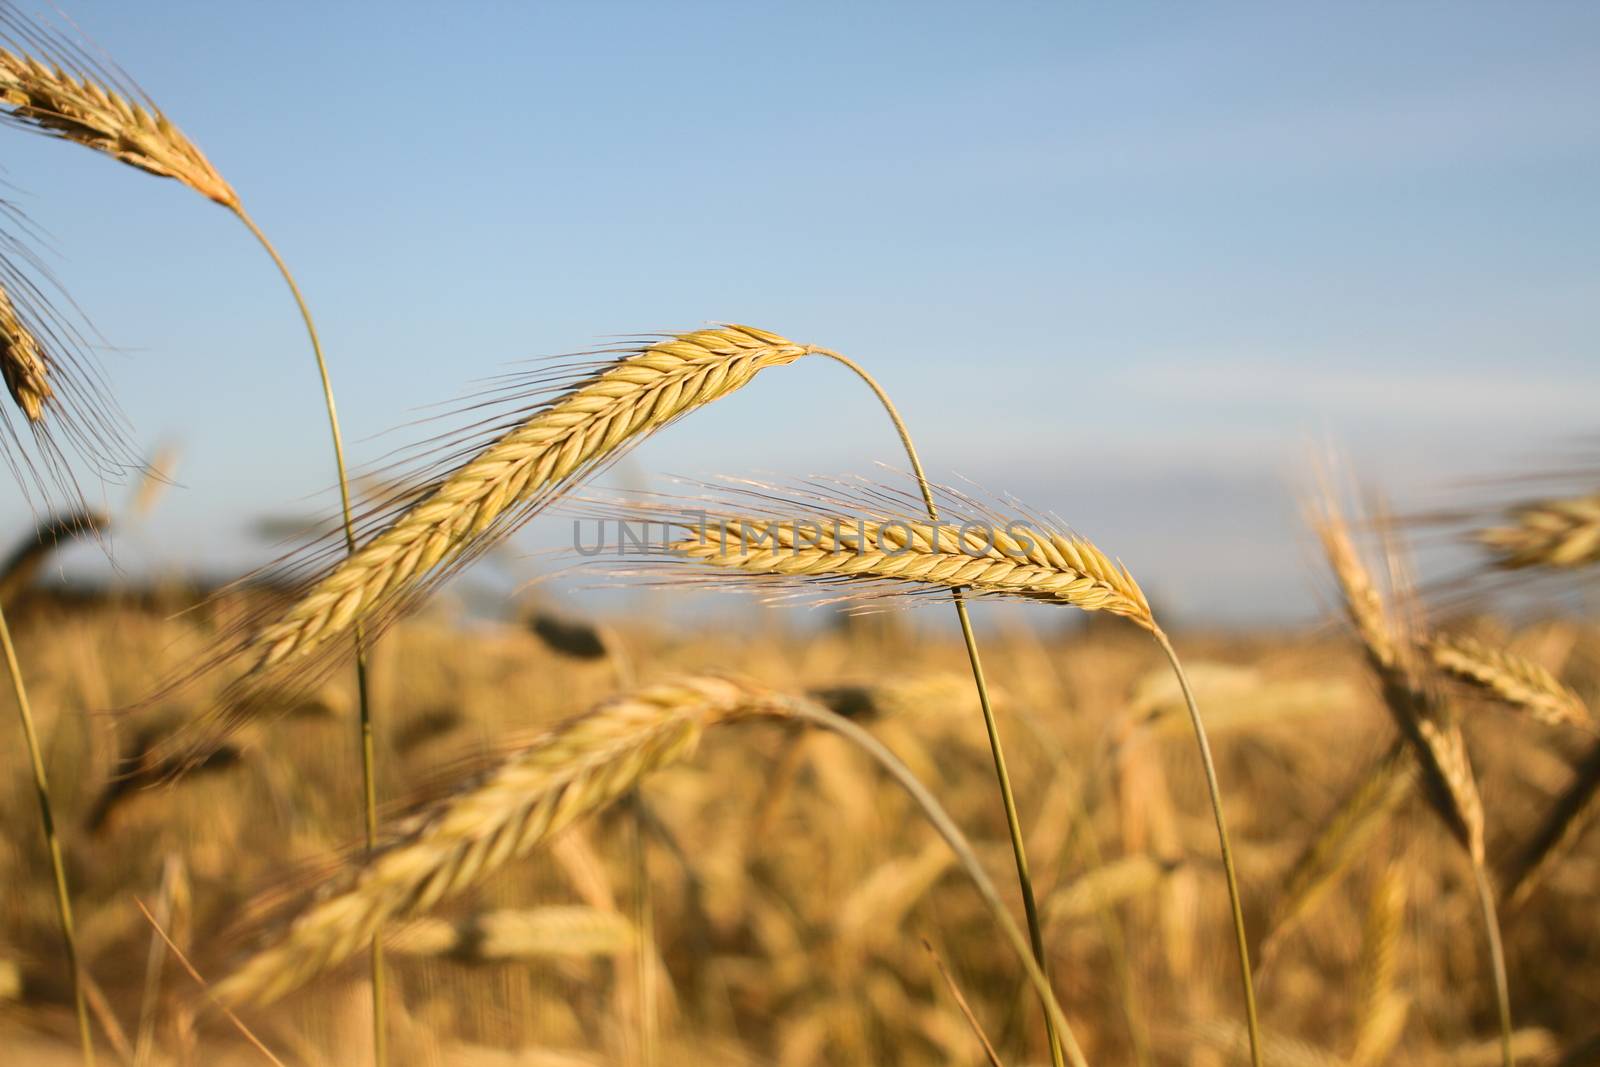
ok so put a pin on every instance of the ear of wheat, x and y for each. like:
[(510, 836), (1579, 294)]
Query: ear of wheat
[(46, 85), (1559, 533), (1509, 678), (992, 558), (482, 498), (23, 363), (573, 771), (888, 555), (1422, 717)]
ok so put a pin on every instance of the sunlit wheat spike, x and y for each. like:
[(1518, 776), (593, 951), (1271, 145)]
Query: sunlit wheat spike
[(572, 771), (1344, 835), (495, 936), (1426, 721), (1510, 678), (49, 86), (630, 398), (1380, 943), (1562, 533), (23, 362), (1571, 813), (1051, 567)]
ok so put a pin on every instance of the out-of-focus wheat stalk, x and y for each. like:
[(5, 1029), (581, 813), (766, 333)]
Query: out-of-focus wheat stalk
[(1427, 723), (1380, 1011), (1571, 812), (47, 820), (1341, 839), (1559, 533), (1509, 678), (1424, 719)]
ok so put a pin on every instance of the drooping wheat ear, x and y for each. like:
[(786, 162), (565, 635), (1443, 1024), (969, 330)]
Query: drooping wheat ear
[(58, 97), (987, 558), (1510, 678), (1055, 568), (1547, 533), (630, 398), (1380, 943), (574, 770), (23, 362), (1565, 822), (498, 936), (1425, 720), (1342, 838)]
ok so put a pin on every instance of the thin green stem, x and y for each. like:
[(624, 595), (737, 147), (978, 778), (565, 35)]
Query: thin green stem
[(1497, 962), (47, 821), (1251, 1022), (934, 812), (1008, 800), (368, 767)]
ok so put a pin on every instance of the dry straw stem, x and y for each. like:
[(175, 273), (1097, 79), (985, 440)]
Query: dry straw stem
[(52, 87), (572, 771), (1562, 826), (1343, 837), (1509, 678), (1560, 533), (499, 936)]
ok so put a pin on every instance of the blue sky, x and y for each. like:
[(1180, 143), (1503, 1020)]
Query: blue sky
[(1127, 262)]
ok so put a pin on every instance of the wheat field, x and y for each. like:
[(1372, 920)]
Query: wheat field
[(337, 810)]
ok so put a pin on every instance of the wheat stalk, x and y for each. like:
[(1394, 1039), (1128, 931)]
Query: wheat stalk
[(1510, 678), (23, 363), (632, 397), (985, 559), (498, 936), (51, 97), (1055, 568), (1426, 722), (1562, 533), (572, 771)]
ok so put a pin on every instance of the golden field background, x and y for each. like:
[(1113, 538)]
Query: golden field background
[(791, 886)]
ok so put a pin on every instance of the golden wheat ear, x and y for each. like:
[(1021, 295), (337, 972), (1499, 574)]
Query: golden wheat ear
[(60, 422), (50, 86)]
